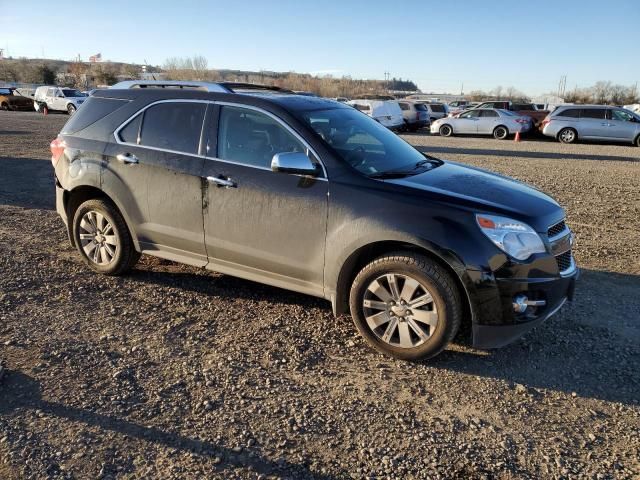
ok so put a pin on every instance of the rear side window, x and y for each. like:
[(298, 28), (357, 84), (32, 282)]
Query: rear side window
[(131, 132), (569, 112), (404, 106), (92, 110), (420, 107), (489, 113), (597, 113), (437, 108), (173, 126)]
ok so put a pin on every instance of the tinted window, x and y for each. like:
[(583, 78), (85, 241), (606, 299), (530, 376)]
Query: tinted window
[(130, 133), (94, 109), (489, 113), (569, 112), (404, 106), (420, 107), (173, 126), (253, 138), (592, 113), (522, 106), (5, 91), (437, 108)]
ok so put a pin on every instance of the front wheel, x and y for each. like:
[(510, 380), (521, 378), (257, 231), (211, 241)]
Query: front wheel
[(102, 238), (406, 306), (4, 106), (71, 109), (446, 131)]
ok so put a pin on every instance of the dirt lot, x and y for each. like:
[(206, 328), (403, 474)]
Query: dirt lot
[(174, 372)]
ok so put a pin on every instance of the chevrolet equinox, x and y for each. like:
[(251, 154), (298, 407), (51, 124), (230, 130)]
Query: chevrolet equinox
[(310, 195)]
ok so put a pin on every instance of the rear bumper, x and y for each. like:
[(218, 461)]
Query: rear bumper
[(555, 291)]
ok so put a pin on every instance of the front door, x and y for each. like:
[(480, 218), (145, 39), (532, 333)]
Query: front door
[(259, 224), (622, 125), (467, 122), (158, 159)]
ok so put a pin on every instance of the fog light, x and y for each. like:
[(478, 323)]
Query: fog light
[(521, 303)]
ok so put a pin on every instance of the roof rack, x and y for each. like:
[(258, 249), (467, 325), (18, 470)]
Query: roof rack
[(224, 87)]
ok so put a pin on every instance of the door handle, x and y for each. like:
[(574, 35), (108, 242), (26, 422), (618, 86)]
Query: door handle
[(222, 182), (127, 158)]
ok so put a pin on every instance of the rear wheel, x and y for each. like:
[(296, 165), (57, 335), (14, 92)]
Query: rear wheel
[(500, 132), (4, 106), (102, 238), (406, 306), (637, 142), (567, 135), (71, 109), (446, 131)]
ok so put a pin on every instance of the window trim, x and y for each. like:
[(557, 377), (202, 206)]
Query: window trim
[(116, 133)]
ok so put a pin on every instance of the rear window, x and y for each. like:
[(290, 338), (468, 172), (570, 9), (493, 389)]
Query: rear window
[(436, 108), (361, 107), (420, 107), (598, 113), (522, 106), (569, 112), (92, 110), (5, 91), (173, 126), (404, 106)]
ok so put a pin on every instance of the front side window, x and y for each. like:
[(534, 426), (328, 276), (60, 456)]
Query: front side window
[(71, 93), (253, 138), (363, 143), (621, 115), (173, 126), (404, 106)]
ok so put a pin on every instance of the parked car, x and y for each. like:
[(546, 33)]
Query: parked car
[(527, 109), (341, 99), (482, 121), (239, 183), (12, 99), (387, 112), (436, 110), (571, 123), (58, 98), (415, 114)]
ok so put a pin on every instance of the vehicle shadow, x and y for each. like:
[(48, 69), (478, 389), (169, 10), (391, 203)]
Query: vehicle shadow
[(15, 132), (591, 347), (21, 392), (524, 154), (27, 182)]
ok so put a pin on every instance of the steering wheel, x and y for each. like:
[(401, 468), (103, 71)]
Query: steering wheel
[(356, 156)]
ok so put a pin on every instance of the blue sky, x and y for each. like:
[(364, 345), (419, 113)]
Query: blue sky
[(439, 45)]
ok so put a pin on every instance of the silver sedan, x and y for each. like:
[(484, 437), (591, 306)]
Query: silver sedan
[(483, 121)]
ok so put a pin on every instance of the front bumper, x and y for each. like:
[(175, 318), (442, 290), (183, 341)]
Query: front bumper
[(496, 333)]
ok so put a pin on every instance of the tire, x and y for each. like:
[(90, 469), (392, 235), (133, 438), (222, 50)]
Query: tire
[(445, 130), (393, 328), (114, 253), (4, 106), (500, 132), (637, 142), (71, 109), (567, 135)]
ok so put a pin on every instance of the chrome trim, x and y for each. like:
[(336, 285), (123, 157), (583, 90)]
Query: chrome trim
[(116, 134), (571, 270), (207, 86)]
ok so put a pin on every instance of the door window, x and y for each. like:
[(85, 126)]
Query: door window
[(253, 138), (131, 132), (620, 115), (597, 113), (489, 113), (471, 114), (173, 126)]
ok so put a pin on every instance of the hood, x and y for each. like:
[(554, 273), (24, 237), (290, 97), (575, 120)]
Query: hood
[(482, 191)]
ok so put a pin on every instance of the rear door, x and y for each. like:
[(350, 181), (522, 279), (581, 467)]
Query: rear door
[(158, 161), (259, 224), (593, 123)]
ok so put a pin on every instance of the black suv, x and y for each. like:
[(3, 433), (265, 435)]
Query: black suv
[(310, 195)]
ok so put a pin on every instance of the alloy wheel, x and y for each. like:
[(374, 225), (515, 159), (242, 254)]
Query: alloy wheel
[(567, 136), (400, 310), (98, 238)]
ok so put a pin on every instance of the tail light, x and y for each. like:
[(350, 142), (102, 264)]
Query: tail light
[(545, 122), (57, 146), (522, 120)]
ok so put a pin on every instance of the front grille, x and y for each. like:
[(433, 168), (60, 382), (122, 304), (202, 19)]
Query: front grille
[(556, 229), (564, 261)]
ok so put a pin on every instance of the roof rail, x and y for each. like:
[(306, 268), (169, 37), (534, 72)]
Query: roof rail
[(206, 86), (225, 87)]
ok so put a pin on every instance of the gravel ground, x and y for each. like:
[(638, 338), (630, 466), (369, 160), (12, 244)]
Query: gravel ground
[(174, 372)]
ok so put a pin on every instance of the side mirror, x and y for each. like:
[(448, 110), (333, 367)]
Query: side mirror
[(293, 162)]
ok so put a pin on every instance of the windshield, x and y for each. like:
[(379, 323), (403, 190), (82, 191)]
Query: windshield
[(72, 93), (5, 91), (364, 143)]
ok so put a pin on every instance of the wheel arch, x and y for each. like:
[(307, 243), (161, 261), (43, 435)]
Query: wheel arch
[(503, 126), (367, 253), (72, 199), (575, 130)]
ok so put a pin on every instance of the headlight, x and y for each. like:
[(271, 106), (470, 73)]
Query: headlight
[(511, 236)]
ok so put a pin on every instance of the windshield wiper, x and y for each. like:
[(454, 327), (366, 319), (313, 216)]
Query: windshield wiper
[(405, 173)]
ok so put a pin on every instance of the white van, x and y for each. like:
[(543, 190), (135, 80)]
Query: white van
[(58, 98), (387, 112)]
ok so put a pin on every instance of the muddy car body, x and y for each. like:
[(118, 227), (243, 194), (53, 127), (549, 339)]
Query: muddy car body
[(310, 195), (11, 99)]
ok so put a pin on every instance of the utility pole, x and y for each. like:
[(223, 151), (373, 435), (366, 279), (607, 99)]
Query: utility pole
[(562, 86), (462, 89), (387, 77)]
